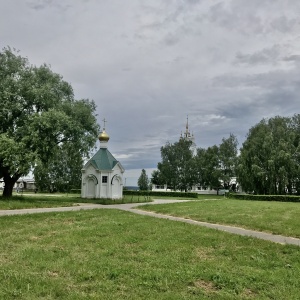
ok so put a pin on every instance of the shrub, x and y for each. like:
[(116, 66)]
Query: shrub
[(280, 198), (166, 194), (75, 191)]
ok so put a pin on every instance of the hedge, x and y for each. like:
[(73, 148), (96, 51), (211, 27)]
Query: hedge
[(75, 191), (280, 198), (167, 194)]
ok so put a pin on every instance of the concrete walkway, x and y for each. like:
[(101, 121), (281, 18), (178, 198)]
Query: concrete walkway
[(132, 207)]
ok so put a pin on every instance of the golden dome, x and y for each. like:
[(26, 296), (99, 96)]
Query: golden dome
[(103, 136)]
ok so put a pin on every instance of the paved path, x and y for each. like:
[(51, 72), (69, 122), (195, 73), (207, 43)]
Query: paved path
[(132, 207)]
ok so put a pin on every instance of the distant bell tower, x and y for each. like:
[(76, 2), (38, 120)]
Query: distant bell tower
[(188, 136)]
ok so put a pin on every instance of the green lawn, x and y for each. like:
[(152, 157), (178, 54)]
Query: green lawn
[(111, 254), (274, 217)]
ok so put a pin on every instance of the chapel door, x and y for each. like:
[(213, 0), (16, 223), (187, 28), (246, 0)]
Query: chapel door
[(91, 188), (116, 189)]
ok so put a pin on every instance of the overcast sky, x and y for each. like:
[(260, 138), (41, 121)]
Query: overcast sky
[(148, 64)]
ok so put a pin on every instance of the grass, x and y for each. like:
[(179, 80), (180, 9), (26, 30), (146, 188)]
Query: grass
[(111, 254), (274, 217), (21, 202), (60, 200)]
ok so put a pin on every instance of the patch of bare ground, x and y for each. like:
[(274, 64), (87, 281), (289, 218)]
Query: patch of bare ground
[(53, 274), (249, 294), (34, 238), (203, 254), (207, 286)]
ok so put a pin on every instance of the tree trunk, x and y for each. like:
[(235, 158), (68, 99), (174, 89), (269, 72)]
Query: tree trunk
[(9, 185)]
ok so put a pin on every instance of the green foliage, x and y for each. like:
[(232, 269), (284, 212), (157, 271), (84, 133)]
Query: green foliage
[(228, 159), (208, 165), (280, 198), (156, 178), (39, 118), (166, 194), (75, 191), (13, 153), (269, 160), (178, 168), (62, 172), (210, 168), (216, 164), (143, 181)]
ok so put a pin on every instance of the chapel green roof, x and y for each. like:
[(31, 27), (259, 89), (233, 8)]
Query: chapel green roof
[(103, 160)]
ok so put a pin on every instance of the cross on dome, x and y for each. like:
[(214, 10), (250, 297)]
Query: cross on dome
[(103, 136), (104, 121)]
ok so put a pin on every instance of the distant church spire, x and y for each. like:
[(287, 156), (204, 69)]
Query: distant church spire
[(188, 136), (187, 133)]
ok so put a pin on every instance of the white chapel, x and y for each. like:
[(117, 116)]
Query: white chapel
[(102, 175)]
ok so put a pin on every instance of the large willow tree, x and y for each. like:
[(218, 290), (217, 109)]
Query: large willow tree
[(39, 118)]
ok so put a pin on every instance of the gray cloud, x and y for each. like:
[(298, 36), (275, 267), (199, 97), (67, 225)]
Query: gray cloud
[(147, 65), (267, 55), (45, 4), (285, 25), (293, 58)]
